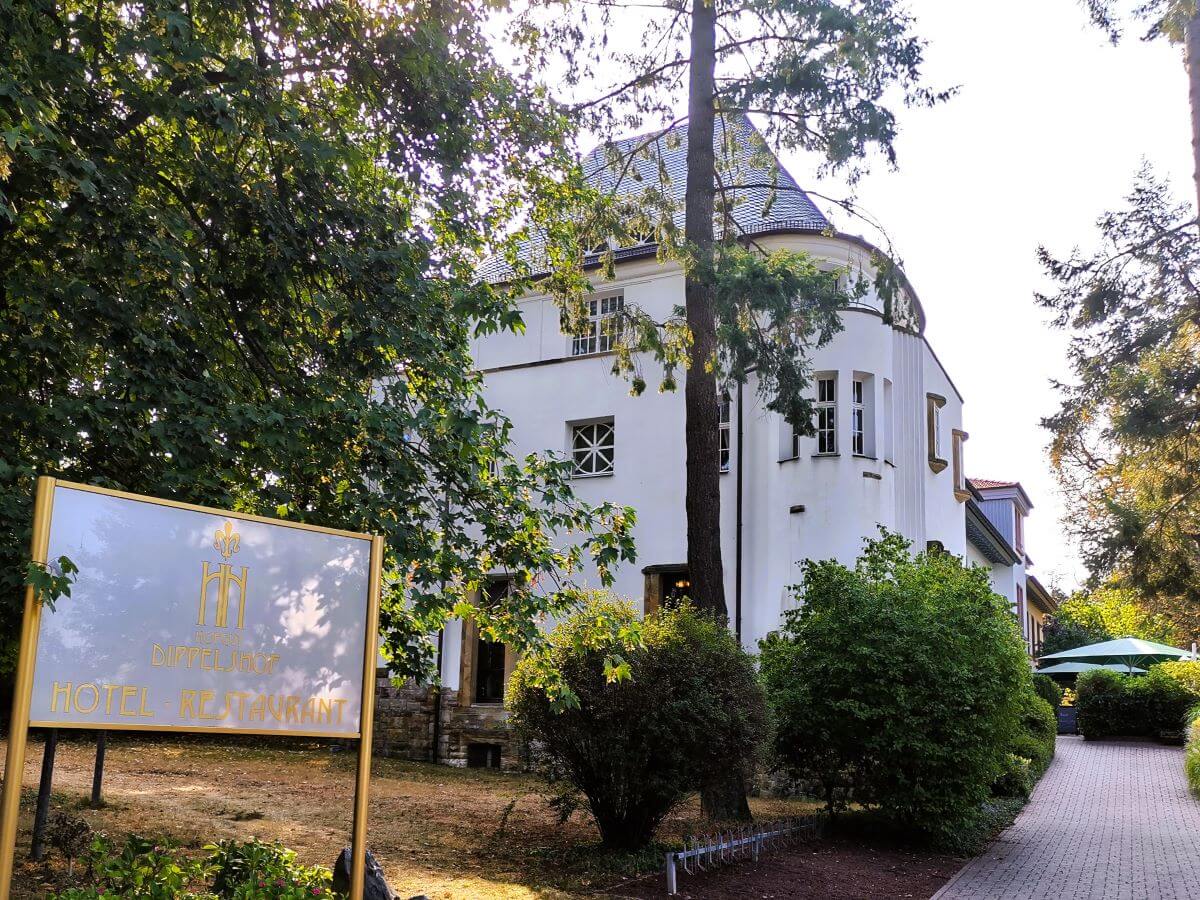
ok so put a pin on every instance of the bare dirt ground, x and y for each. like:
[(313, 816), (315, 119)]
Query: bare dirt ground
[(447, 833), (834, 869)]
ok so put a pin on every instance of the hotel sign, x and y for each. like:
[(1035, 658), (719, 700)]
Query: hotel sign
[(185, 618), (189, 619)]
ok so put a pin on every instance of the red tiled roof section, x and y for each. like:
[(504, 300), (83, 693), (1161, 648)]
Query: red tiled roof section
[(984, 483)]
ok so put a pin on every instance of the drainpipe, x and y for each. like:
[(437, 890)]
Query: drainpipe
[(437, 700), (437, 687), (737, 586)]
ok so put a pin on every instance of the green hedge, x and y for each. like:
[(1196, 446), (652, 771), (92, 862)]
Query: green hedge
[(1191, 760), (1113, 705), (1031, 748), (1185, 671), (1039, 729), (1048, 690)]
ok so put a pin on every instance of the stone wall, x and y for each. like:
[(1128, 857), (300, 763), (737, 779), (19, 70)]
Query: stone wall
[(404, 726)]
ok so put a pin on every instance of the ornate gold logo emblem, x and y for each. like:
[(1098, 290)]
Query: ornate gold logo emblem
[(227, 541)]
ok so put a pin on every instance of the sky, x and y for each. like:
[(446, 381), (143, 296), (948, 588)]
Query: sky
[(1050, 125)]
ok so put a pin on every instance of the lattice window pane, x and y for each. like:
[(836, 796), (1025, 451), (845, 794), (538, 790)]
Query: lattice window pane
[(826, 409), (592, 449), (723, 406)]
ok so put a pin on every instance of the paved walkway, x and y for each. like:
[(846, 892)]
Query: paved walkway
[(1110, 820)]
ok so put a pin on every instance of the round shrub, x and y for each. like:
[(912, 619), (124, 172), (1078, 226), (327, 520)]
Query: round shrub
[(897, 685), (690, 710), (1048, 690)]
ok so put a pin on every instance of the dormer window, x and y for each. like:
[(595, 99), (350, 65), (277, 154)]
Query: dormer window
[(646, 238), (603, 326)]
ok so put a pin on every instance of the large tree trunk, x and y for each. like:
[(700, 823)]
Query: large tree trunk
[(1192, 61), (703, 503), (726, 798)]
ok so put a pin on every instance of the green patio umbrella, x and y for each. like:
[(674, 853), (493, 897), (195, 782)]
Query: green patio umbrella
[(1127, 651), (1074, 668)]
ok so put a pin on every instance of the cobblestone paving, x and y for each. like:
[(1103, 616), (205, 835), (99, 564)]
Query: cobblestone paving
[(1109, 820)]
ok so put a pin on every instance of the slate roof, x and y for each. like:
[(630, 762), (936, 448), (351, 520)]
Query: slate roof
[(763, 195), (986, 538)]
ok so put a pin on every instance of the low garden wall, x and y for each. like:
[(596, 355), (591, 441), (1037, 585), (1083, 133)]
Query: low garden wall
[(476, 735)]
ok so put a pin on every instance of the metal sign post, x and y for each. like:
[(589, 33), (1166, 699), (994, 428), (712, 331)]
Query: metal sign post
[(18, 727), (244, 625)]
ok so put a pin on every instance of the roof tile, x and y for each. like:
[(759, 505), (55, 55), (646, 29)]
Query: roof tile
[(764, 196)]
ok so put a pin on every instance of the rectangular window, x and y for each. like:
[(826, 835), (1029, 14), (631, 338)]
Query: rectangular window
[(676, 586), (826, 412), (603, 326), (489, 655), (957, 437), (1018, 530), (1022, 615), (489, 438), (858, 418), (888, 426), (723, 406), (489, 671), (933, 431), (593, 449)]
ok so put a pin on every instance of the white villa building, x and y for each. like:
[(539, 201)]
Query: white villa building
[(996, 514), (889, 451)]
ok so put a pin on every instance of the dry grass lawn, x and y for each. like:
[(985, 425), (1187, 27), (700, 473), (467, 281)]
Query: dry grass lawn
[(439, 831)]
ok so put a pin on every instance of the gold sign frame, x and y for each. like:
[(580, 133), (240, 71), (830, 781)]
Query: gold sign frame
[(14, 767)]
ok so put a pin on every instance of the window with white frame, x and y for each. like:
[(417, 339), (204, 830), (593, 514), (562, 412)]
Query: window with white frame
[(826, 413), (592, 449), (858, 418), (603, 325), (489, 439), (723, 406), (889, 427), (933, 427)]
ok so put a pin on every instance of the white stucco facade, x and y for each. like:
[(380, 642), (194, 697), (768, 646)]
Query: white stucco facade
[(888, 452), (796, 503), (996, 516)]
